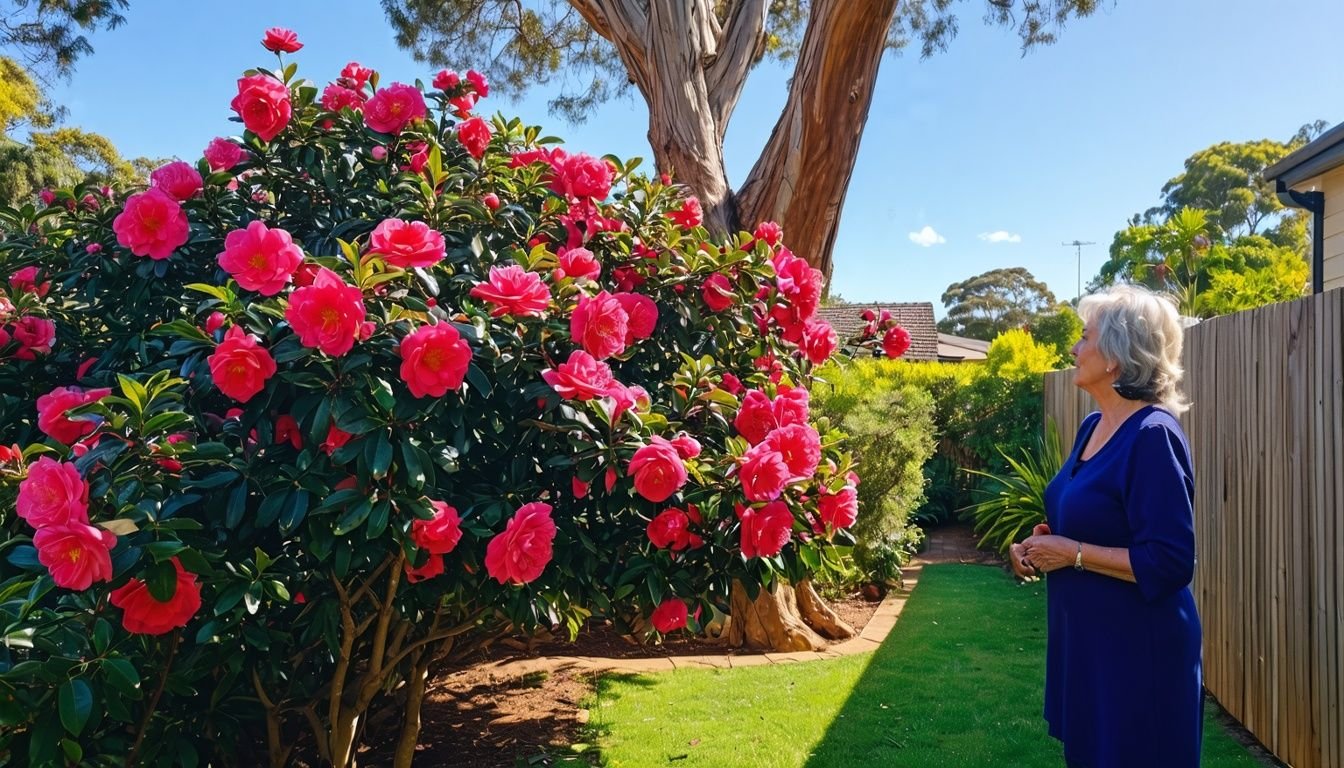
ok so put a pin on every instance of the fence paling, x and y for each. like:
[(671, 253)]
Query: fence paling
[(1267, 440)]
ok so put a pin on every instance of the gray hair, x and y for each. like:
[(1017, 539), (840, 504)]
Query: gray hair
[(1139, 331)]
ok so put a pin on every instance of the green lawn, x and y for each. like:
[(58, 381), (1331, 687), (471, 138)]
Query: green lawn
[(957, 683)]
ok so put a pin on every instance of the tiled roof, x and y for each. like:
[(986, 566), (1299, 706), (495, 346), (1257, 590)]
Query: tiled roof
[(915, 316)]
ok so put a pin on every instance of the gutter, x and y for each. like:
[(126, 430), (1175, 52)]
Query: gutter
[(1314, 202)]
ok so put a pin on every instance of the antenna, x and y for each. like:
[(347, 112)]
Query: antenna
[(1079, 245)]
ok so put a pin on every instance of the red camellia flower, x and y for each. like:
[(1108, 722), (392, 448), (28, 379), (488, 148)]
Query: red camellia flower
[(239, 366), (582, 176), (446, 80), (641, 314), (178, 179), (222, 154), (600, 325), (799, 446), (765, 531), (582, 377), (52, 406), (819, 341), (337, 97), (260, 258), (327, 314), (689, 215), (440, 534), (579, 488), (355, 76), (143, 615), (790, 406), (658, 470), (263, 104), (514, 291), (393, 108), (336, 437), (152, 224), (764, 473), (478, 83), (839, 510), (407, 244), (718, 292), (671, 529), (669, 616), (620, 398), (756, 417), (432, 567), (25, 281), (730, 384), (687, 447), (287, 431), (475, 136), (53, 494), (896, 341), (34, 335), (281, 40), (770, 232), (75, 553), (577, 263), (434, 360), (522, 551)]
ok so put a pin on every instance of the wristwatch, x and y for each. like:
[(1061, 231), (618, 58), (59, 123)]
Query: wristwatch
[(1078, 561)]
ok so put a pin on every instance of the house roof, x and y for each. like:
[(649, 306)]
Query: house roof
[(916, 317), (1323, 154), (959, 348)]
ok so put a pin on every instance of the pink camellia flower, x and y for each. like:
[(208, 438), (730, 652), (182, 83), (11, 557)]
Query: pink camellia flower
[(642, 316), (582, 176), (839, 510), (628, 278), (178, 179), (687, 447), (143, 615), (790, 406), (287, 431), (47, 196), (260, 258), (432, 567), (336, 437), (730, 384), (378, 153), (214, 322), (475, 136), (75, 553), (393, 108), (800, 447), (819, 341), (25, 281), (582, 377), (764, 473), (239, 366), (756, 417), (34, 335), (658, 470), (578, 263), (689, 214), (222, 154), (434, 360), (52, 407), (462, 103), (620, 398), (896, 341), (671, 529), (478, 83), (798, 282), (522, 551), (263, 104), (407, 244), (337, 97), (152, 224), (765, 531), (490, 200), (93, 248), (718, 292), (770, 232), (514, 291), (446, 80), (579, 488), (327, 314), (669, 616), (355, 76), (601, 325), (84, 367), (439, 534), (281, 40), (53, 494)]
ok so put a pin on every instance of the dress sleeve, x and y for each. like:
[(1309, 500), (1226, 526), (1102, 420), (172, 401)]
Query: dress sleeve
[(1159, 502)]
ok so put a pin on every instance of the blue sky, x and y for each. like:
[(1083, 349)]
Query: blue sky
[(1063, 144)]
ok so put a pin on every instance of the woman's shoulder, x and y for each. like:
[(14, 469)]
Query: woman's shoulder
[(1157, 417), (1158, 426)]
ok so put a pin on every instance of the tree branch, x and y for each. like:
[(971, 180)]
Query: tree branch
[(740, 44), (625, 25)]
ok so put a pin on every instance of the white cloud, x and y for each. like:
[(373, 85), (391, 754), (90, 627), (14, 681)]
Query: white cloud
[(927, 237), (1000, 236)]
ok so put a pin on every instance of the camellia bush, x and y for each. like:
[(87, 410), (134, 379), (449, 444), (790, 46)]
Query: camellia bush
[(363, 388)]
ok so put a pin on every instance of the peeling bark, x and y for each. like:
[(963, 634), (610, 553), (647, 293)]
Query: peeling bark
[(820, 616), (771, 622)]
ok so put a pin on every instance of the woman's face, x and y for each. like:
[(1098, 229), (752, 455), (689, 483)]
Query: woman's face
[(1091, 366)]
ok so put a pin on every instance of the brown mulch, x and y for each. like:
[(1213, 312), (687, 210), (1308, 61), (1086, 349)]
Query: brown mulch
[(478, 716)]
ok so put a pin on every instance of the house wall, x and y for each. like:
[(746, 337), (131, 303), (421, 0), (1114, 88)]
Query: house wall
[(1332, 184)]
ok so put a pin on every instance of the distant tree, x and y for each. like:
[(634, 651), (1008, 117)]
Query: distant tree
[(690, 59), (22, 102), (1058, 329), (988, 304), (1014, 355), (47, 36)]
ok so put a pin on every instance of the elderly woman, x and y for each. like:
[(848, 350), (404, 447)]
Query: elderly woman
[(1123, 678)]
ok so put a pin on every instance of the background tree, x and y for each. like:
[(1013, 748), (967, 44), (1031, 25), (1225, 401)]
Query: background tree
[(47, 36), (1059, 330), (689, 60), (988, 304)]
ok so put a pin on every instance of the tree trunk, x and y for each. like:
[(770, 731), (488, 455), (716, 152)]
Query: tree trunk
[(820, 616), (771, 622), (410, 726), (801, 178)]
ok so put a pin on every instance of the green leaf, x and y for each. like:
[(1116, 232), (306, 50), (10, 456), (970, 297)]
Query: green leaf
[(381, 449), (133, 392), (478, 380), (122, 676), (218, 291), (353, 518), (378, 520), (164, 550), (76, 702), (161, 578), (294, 512), (102, 635)]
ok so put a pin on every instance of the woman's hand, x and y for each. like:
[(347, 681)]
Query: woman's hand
[(1017, 557), (1049, 552)]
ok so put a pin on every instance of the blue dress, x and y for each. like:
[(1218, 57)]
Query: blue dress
[(1123, 683)]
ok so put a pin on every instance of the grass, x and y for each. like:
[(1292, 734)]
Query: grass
[(957, 683)]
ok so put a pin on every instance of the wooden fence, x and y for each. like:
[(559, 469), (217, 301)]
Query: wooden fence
[(1266, 432)]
